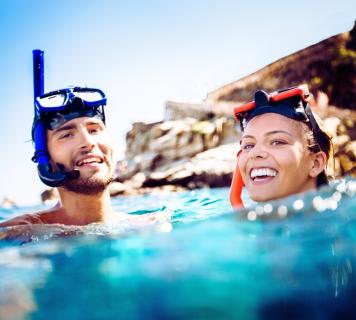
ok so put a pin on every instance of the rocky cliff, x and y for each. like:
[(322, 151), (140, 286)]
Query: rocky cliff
[(171, 155), (328, 66), (196, 145)]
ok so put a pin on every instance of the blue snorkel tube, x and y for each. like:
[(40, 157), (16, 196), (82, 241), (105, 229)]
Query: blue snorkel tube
[(45, 172)]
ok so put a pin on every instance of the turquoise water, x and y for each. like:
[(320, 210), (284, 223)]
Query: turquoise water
[(293, 259)]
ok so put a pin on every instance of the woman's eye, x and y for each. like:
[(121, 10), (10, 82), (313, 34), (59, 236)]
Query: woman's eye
[(247, 146), (278, 142)]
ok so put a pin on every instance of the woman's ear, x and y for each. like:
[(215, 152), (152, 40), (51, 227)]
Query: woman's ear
[(319, 161)]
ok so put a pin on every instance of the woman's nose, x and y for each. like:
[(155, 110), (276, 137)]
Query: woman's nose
[(258, 151)]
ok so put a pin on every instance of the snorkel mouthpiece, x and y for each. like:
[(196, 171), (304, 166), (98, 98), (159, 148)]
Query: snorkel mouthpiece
[(55, 179)]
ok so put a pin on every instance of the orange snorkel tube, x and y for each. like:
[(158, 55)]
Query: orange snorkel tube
[(237, 182), (236, 188)]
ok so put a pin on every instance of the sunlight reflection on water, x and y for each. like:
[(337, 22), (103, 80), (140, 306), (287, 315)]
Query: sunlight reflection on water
[(204, 262)]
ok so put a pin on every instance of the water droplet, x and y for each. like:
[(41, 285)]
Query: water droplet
[(337, 196), (332, 204), (350, 188), (251, 215), (165, 227), (341, 187), (33, 238), (268, 208), (282, 211), (259, 210), (319, 203), (298, 204)]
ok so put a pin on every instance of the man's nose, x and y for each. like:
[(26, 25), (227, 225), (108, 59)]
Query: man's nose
[(87, 141)]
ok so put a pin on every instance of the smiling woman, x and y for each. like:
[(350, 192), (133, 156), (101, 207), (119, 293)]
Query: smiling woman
[(283, 149)]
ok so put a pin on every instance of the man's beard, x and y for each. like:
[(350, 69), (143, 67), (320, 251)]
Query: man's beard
[(91, 185), (88, 186)]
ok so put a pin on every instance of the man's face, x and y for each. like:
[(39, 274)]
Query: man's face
[(82, 144)]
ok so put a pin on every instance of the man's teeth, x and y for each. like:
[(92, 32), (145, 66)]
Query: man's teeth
[(89, 160), (262, 172)]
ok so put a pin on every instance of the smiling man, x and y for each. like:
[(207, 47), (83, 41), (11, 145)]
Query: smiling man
[(75, 154)]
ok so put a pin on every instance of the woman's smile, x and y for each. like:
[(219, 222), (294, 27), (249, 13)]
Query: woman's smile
[(262, 175), (274, 161)]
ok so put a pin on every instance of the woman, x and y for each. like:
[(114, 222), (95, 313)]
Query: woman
[(283, 150)]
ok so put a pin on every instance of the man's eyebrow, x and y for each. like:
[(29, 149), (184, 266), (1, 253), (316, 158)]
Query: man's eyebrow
[(94, 122), (64, 128)]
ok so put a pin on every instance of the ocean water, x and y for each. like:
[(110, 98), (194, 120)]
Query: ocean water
[(292, 259)]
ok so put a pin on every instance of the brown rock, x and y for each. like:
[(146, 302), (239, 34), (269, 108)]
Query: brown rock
[(195, 146), (8, 203), (340, 142), (50, 196), (350, 150), (347, 165), (117, 188), (332, 124)]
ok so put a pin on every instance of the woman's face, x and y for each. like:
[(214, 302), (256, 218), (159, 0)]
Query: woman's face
[(274, 160)]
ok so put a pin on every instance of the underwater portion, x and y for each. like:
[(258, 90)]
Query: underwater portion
[(291, 259)]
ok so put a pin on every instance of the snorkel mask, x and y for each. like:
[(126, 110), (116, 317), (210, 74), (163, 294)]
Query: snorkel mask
[(291, 103), (54, 109)]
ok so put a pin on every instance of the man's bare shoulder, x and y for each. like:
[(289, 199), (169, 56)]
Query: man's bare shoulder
[(30, 218)]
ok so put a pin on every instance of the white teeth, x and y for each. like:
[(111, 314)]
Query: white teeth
[(263, 172), (89, 160)]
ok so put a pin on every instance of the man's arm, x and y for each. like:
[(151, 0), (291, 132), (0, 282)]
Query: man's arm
[(22, 220)]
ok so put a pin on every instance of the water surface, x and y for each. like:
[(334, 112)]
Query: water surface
[(293, 259)]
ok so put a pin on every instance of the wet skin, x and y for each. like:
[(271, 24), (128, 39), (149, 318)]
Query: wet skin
[(274, 160), (82, 144)]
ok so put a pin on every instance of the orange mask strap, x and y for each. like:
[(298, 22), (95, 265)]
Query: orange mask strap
[(236, 188)]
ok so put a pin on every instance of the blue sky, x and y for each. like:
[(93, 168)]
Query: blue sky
[(141, 53)]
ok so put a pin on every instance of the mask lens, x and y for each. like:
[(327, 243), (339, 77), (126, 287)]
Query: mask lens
[(52, 101), (89, 96)]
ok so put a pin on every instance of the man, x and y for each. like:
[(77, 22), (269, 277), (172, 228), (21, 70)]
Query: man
[(75, 154)]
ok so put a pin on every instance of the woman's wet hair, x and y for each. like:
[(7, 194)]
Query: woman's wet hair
[(322, 143)]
